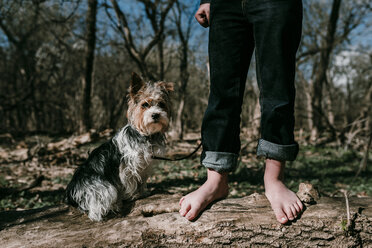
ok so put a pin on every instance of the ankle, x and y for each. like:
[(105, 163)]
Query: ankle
[(274, 170), (218, 176), (217, 179), (271, 182)]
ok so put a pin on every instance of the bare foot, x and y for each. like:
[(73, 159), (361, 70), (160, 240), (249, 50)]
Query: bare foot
[(215, 188), (284, 202)]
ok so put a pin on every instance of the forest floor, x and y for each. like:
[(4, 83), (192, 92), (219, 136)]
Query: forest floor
[(35, 170)]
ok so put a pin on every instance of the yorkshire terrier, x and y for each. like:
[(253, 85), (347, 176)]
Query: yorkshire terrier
[(118, 169)]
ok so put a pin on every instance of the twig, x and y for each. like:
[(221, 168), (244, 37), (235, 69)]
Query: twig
[(347, 208), (35, 183)]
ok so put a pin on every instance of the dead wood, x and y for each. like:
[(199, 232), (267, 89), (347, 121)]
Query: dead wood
[(53, 152), (8, 191), (155, 222), (71, 142), (6, 139)]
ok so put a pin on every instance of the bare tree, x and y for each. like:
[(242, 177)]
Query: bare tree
[(366, 114), (89, 62), (25, 73), (321, 68), (318, 52), (156, 12), (184, 34)]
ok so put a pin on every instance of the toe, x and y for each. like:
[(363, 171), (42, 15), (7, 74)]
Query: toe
[(297, 208), (192, 213), (294, 211), (181, 200), (280, 216), (185, 209), (288, 212)]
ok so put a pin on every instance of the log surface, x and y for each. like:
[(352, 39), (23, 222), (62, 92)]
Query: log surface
[(155, 222)]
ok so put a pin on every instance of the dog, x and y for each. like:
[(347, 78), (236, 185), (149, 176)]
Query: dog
[(118, 169)]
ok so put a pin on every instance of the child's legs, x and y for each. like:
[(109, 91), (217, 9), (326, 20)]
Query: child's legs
[(230, 50), (277, 33)]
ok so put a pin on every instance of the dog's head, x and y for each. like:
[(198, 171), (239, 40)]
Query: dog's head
[(149, 105)]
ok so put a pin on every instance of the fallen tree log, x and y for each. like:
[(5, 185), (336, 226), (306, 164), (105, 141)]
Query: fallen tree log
[(155, 222)]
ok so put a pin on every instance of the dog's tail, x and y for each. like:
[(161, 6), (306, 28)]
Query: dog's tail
[(93, 195)]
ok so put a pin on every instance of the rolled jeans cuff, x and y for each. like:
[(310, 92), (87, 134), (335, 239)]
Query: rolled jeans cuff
[(275, 151), (220, 161)]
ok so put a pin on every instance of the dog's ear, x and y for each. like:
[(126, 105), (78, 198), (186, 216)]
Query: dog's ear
[(167, 86), (135, 84)]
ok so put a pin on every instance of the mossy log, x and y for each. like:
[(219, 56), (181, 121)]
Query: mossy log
[(155, 222)]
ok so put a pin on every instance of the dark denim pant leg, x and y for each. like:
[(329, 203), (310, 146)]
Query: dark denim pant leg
[(230, 50), (277, 33)]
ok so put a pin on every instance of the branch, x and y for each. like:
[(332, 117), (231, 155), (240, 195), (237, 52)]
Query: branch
[(8, 34), (160, 31), (123, 27)]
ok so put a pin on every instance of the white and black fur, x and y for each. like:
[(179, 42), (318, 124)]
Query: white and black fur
[(117, 170)]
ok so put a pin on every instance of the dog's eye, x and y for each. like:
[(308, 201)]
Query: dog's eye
[(145, 105), (161, 105)]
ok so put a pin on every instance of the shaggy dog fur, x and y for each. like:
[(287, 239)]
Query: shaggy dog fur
[(117, 170)]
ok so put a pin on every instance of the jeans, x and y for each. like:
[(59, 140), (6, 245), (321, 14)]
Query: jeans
[(237, 27)]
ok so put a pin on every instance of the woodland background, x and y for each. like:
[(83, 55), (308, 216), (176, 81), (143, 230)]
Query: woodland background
[(65, 68)]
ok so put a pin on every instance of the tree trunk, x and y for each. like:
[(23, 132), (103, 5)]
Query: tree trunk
[(368, 113), (182, 92), (322, 67), (363, 163), (256, 120), (184, 36), (161, 58), (155, 222), (329, 104), (89, 62), (178, 126)]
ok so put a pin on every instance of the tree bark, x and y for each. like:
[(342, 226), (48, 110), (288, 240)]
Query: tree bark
[(322, 67), (155, 222), (367, 112), (329, 101), (184, 36), (178, 126), (89, 62), (255, 133)]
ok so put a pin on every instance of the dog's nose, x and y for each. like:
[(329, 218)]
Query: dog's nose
[(155, 116)]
